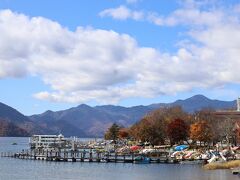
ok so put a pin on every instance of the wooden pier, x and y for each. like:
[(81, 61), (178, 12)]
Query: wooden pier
[(84, 156)]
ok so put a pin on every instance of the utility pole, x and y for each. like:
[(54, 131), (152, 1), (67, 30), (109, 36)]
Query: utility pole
[(238, 104)]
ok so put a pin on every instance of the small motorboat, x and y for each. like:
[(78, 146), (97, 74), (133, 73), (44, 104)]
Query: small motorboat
[(181, 147), (141, 160), (235, 171), (14, 143)]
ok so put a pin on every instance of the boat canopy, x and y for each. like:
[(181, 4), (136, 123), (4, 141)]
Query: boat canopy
[(181, 147)]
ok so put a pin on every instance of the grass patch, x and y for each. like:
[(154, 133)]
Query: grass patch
[(223, 165)]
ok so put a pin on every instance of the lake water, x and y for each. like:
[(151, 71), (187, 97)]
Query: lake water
[(18, 169)]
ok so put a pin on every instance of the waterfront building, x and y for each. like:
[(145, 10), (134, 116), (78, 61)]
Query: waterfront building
[(234, 116), (47, 141)]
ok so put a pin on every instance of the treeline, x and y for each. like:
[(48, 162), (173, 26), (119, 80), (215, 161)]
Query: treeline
[(173, 126)]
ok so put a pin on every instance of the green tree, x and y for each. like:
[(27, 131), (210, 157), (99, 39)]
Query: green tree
[(112, 133)]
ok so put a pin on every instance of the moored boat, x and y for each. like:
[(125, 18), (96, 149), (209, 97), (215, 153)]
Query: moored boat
[(141, 160)]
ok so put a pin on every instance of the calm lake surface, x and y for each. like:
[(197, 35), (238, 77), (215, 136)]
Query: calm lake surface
[(18, 169)]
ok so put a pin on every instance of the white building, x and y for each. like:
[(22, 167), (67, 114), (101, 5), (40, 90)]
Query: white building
[(47, 141)]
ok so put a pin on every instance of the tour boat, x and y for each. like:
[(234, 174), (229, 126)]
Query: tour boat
[(46, 141)]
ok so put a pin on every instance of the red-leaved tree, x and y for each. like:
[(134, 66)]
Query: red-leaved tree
[(123, 133), (177, 131)]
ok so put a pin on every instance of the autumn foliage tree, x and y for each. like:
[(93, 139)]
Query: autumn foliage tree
[(168, 122), (201, 131), (123, 133), (149, 130), (152, 127), (214, 123), (177, 131)]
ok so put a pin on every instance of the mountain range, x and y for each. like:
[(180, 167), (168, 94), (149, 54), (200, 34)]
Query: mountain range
[(87, 121)]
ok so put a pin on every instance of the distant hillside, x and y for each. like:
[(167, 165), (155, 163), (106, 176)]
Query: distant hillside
[(13, 123), (86, 121), (10, 129), (94, 121), (199, 102), (9, 113)]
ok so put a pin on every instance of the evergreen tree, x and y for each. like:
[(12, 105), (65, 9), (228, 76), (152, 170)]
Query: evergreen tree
[(112, 133)]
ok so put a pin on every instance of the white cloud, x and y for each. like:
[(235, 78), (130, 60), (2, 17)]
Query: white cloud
[(122, 13), (187, 16), (197, 3), (94, 64)]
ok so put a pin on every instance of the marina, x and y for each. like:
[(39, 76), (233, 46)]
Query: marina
[(15, 168), (60, 149), (120, 90)]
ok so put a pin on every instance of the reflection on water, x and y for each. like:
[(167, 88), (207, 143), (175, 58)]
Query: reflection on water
[(16, 169)]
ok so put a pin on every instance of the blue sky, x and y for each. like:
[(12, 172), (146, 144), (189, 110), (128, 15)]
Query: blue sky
[(58, 54)]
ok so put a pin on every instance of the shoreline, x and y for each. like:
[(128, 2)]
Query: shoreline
[(222, 165)]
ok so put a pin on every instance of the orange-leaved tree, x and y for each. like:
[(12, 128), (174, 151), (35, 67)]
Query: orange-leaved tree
[(201, 131)]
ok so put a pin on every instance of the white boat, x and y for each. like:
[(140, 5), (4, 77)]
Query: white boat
[(46, 141), (213, 159)]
